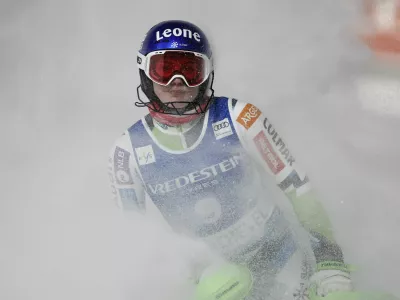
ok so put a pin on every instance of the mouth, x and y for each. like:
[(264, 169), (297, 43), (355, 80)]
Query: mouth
[(177, 93)]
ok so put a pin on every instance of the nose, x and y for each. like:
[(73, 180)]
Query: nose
[(177, 82)]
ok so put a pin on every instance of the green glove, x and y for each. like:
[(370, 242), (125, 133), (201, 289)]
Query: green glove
[(224, 282)]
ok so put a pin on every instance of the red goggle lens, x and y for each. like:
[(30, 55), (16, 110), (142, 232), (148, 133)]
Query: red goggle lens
[(164, 66)]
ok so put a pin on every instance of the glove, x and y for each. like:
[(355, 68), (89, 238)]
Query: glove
[(324, 282), (224, 281)]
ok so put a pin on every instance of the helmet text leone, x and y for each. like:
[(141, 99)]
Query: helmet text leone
[(187, 33)]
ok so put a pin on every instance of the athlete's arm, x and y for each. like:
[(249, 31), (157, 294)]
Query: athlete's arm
[(126, 185), (263, 142)]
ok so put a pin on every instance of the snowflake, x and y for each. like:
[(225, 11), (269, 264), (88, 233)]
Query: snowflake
[(174, 45), (301, 293)]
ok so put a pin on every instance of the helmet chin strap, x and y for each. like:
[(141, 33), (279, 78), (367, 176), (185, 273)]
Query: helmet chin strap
[(168, 115), (173, 120), (177, 119), (170, 107)]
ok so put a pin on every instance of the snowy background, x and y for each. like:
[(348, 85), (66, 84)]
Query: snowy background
[(68, 82)]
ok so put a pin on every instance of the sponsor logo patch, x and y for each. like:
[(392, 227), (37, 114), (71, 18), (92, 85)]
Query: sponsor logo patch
[(187, 33), (112, 180), (197, 180), (129, 199), (280, 144), (145, 155), (222, 129), (270, 156), (121, 166), (248, 116)]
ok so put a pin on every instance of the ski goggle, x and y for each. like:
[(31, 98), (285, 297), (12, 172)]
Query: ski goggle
[(163, 67)]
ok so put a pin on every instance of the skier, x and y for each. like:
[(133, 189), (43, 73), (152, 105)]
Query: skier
[(213, 168)]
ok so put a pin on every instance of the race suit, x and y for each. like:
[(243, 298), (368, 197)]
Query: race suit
[(218, 179)]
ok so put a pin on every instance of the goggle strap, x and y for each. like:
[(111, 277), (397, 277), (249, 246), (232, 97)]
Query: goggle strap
[(141, 61)]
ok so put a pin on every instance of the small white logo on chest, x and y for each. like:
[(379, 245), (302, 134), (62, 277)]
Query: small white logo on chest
[(145, 155), (222, 129)]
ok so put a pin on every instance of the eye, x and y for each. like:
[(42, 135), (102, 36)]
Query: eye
[(164, 68), (190, 69)]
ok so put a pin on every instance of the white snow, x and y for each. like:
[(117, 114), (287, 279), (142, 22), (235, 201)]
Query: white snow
[(68, 81)]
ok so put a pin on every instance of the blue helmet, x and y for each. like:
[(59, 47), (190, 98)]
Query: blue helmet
[(182, 36), (176, 35)]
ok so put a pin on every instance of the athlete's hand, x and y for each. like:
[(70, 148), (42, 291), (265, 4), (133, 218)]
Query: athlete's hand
[(224, 281), (327, 281)]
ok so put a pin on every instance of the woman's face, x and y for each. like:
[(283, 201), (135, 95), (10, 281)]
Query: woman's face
[(176, 91)]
